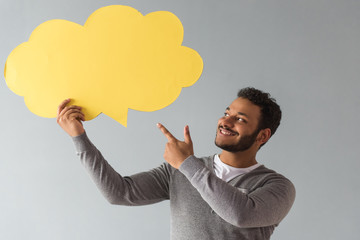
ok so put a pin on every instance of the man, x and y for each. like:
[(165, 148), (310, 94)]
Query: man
[(225, 196)]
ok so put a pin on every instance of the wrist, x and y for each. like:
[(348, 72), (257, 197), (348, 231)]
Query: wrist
[(76, 133)]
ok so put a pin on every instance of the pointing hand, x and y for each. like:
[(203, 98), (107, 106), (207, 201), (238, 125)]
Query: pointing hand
[(177, 151)]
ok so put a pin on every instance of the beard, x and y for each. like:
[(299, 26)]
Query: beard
[(243, 144)]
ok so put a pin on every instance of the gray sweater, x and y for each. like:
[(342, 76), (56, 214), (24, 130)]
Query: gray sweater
[(203, 206)]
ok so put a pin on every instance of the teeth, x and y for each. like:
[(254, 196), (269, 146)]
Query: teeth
[(226, 132)]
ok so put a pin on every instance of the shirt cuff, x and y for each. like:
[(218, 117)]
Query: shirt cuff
[(82, 143)]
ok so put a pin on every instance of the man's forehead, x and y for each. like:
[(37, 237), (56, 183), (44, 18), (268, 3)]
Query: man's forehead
[(243, 106)]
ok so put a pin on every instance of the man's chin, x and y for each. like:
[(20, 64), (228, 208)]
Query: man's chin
[(232, 148), (223, 146)]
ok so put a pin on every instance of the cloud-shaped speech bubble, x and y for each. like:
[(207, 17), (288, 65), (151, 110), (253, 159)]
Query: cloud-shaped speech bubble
[(118, 60)]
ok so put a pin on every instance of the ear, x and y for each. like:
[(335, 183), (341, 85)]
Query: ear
[(263, 136)]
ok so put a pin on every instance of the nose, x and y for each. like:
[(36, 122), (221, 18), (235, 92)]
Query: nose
[(227, 122)]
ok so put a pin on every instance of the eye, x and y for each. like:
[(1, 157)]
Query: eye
[(241, 120), (226, 114)]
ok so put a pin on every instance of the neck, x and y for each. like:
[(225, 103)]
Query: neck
[(239, 159)]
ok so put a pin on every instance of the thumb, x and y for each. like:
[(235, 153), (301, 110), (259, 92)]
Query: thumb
[(187, 137)]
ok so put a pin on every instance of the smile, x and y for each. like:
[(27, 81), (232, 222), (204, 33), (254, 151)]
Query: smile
[(226, 132)]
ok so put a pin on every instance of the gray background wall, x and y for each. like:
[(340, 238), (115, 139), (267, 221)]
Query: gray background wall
[(306, 53)]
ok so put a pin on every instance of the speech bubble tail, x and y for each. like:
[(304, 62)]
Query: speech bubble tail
[(119, 115)]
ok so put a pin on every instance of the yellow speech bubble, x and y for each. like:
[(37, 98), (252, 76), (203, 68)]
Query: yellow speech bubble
[(119, 60)]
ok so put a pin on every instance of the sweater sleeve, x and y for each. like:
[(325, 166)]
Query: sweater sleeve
[(265, 206), (139, 189)]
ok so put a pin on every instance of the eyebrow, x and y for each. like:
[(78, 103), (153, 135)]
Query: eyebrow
[(240, 113)]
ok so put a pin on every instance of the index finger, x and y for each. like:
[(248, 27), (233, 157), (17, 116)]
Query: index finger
[(166, 132), (63, 105)]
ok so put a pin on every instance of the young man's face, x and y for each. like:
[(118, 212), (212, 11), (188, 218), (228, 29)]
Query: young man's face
[(237, 129)]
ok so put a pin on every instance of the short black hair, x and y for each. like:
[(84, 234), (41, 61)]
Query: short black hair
[(270, 110)]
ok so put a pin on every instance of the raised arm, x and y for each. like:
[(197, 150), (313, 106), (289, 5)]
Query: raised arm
[(139, 189)]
